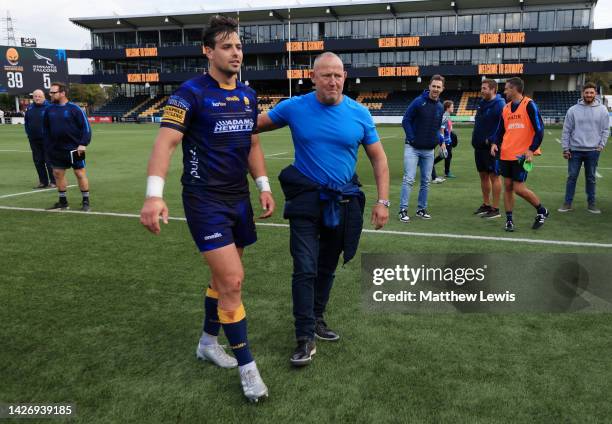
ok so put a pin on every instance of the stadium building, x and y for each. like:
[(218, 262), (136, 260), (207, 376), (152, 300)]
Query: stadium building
[(390, 49)]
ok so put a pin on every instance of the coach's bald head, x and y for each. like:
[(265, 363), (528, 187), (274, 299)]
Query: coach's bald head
[(328, 76), (38, 96)]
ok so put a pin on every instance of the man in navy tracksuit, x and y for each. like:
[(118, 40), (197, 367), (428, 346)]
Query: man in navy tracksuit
[(34, 130), (67, 132), (421, 123), (488, 114)]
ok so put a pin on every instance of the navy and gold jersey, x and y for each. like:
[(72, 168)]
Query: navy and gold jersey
[(217, 124)]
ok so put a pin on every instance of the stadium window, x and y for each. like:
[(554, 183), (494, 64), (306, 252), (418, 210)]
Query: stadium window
[(331, 29), (581, 18), (479, 56), (417, 26), (432, 58), (464, 57), (479, 24), (125, 39), (387, 58), (263, 33), (373, 28), (417, 58), (276, 32), (544, 55), (403, 26), (148, 38), (193, 36), (249, 33), (495, 55), (171, 37), (403, 58), (530, 21), (172, 65), (447, 57), (578, 53), (513, 21), (346, 59), (546, 21), (387, 27), (373, 58), (433, 25), (315, 33), (359, 29), (562, 54), (464, 24), (448, 25), (528, 54), (511, 54), (344, 29), (564, 20), (359, 60), (496, 22)]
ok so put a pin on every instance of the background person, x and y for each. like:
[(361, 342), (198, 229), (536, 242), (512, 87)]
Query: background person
[(34, 130)]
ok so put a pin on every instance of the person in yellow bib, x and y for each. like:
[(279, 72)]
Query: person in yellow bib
[(519, 135)]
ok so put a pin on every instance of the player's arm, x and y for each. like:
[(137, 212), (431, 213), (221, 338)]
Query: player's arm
[(257, 169), (83, 123), (538, 125), (159, 162), (568, 129), (378, 159), (498, 137), (407, 120)]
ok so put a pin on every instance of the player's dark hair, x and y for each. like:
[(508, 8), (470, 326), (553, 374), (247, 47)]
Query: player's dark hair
[(589, 85), (517, 83), (61, 86), (491, 83), (447, 104), (218, 25), (437, 77)]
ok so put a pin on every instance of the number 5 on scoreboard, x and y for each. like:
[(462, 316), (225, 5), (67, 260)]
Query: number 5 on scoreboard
[(46, 81)]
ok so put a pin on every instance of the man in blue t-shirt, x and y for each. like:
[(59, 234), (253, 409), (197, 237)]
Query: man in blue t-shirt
[(323, 202), (214, 116)]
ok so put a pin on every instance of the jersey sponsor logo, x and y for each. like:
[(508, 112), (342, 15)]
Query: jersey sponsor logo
[(219, 104), (194, 162), (213, 236), (516, 125), (233, 125), (178, 102), (232, 99), (173, 114)]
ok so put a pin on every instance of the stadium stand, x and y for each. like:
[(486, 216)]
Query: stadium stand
[(554, 104), (119, 106)]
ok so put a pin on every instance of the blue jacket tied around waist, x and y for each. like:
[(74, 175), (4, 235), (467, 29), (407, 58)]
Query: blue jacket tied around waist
[(305, 198)]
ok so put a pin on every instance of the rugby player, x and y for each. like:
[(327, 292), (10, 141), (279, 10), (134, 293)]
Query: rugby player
[(214, 116), (520, 133)]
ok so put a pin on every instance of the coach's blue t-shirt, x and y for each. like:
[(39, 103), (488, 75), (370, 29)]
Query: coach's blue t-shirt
[(326, 138)]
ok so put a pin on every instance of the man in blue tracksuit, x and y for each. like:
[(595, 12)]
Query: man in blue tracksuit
[(488, 114), (34, 130), (421, 123), (67, 133)]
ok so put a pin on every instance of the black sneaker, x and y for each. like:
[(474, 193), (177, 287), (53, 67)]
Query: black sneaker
[(539, 220), (302, 355), (482, 209), (493, 213), (59, 205), (85, 207), (403, 216), (509, 226), (422, 213), (323, 332)]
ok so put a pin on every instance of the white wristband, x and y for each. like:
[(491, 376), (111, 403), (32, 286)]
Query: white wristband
[(263, 184), (155, 186)]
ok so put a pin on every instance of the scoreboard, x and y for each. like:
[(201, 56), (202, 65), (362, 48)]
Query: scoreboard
[(23, 70)]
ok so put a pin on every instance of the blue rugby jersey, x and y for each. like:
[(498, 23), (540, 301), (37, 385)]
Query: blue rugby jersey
[(217, 124), (65, 127)]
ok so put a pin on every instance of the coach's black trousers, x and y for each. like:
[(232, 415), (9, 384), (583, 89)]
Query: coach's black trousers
[(43, 168)]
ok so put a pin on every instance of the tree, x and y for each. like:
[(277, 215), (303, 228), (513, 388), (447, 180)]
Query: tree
[(92, 94)]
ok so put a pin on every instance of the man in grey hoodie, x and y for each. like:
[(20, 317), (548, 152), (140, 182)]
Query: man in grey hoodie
[(585, 133)]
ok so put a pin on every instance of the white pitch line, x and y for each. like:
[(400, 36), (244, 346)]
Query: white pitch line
[(549, 132), (558, 141), (276, 154), (399, 233), (32, 192), (17, 151), (598, 175)]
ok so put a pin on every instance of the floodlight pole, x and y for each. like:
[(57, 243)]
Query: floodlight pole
[(289, 49)]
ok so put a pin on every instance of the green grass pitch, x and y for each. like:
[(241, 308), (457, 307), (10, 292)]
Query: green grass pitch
[(98, 312)]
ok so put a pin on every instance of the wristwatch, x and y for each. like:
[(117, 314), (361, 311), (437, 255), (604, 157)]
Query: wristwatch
[(383, 202)]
